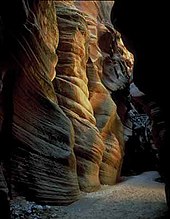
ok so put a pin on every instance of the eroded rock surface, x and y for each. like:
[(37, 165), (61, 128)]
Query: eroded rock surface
[(71, 84), (60, 130), (36, 135)]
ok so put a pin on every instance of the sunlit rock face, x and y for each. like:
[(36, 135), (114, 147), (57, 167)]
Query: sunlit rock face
[(60, 131), (37, 138), (107, 121), (71, 85)]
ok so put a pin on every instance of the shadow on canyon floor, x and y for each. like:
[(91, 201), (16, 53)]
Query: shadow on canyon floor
[(136, 197)]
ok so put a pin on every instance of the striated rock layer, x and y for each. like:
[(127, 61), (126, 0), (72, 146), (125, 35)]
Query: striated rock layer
[(73, 94), (59, 128), (107, 120), (38, 137)]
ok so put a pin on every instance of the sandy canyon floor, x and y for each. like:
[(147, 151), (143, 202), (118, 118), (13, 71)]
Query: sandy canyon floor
[(136, 197)]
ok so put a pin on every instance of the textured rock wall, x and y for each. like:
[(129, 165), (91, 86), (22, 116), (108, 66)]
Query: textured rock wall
[(60, 131), (36, 134), (107, 121), (73, 95)]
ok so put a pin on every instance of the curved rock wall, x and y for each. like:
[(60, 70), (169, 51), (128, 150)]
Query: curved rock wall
[(73, 94), (58, 122), (107, 120), (37, 135)]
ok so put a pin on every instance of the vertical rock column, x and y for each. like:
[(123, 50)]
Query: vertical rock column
[(105, 110), (112, 132), (37, 134), (72, 93), (106, 116)]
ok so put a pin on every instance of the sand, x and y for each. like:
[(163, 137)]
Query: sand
[(137, 197)]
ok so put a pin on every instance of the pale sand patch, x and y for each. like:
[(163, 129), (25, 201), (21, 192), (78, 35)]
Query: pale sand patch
[(136, 197)]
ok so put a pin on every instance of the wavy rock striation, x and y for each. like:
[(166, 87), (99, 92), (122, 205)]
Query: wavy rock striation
[(59, 128), (73, 95), (107, 120), (39, 137)]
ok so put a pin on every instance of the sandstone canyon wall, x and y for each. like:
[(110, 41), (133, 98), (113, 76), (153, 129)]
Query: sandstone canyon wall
[(59, 128)]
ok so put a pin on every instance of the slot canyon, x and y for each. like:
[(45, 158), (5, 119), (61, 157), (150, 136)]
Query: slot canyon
[(72, 120)]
